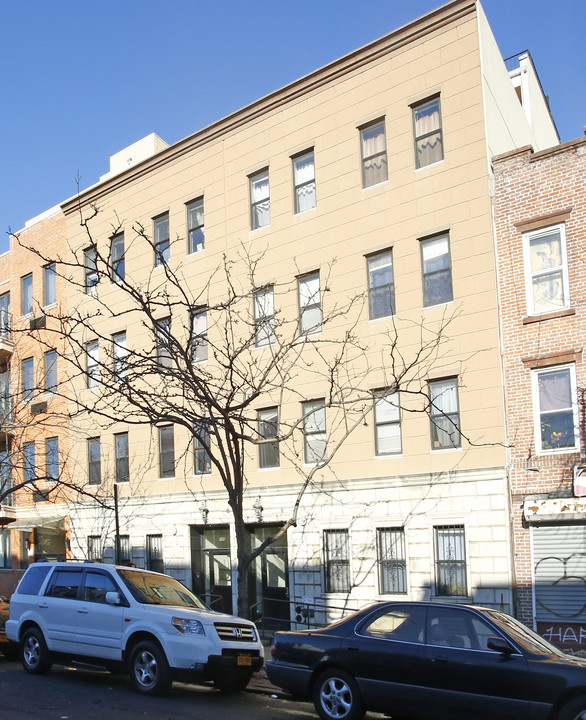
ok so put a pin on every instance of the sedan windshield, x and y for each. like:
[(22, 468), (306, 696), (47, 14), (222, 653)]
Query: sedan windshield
[(154, 589)]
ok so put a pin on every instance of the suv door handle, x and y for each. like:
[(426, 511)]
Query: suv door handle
[(82, 611), (43, 605)]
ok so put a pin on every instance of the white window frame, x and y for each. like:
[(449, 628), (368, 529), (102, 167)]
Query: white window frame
[(119, 356), (202, 463), (195, 228), (90, 264), (368, 157), (94, 463), (417, 138), (199, 336), (528, 237), (161, 240), (122, 462), (165, 455), (267, 442), (92, 360), (375, 263), (535, 374), (258, 221), (304, 188), (314, 430), (52, 458), (381, 399), (264, 316), (117, 257), (49, 284), (443, 239), (26, 294), (50, 366), (437, 411), (309, 300)]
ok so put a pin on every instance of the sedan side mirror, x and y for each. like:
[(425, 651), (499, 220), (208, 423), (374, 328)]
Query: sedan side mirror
[(499, 645), (113, 597)]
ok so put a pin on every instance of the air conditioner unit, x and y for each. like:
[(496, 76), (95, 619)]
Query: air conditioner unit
[(580, 480)]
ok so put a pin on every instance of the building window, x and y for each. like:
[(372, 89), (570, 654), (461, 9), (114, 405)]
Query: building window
[(201, 443), (387, 423), (391, 558), (5, 551), (444, 414), (94, 461), (381, 285), (52, 458), (6, 475), (437, 270), (5, 320), (119, 356), (162, 241), (162, 335), (260, 203), (125, 556), (117, 258), (337, 561), (310, 312), (264, 316), (450, 561), (94, 548), (30, 469), (199, 336), (195, 227), (28, 379), (51, 371), (314, 431), (546, 270), (374, 154), (90, 256), (556, 409), (304, 182), (26, 294), (49, 284), (427, 124), (92, 360), (5, 399), (268, 445), (121, 450), (154, 553), (166, 452)]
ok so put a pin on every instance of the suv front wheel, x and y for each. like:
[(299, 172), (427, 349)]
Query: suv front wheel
[(35, 655), (149, 669)]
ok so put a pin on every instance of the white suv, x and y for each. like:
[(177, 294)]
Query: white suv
[(142, 622)]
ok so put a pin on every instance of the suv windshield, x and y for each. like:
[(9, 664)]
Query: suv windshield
[(154, 589)]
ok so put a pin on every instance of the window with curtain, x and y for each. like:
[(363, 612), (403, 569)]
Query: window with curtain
[(264, 316), (49, 284), (199, 336), (374, 154), (437, 270), (427, 124), (387, 423), (195, 226), (556, 414), (310, 311), (304, 182), (92, 360), (391, 558), (90, 259), (121, 451), (444, 414), (119, 356), (314, 431), (381, 285), (162, 239), (117, 258), (546, 270), (268, 430), (260, 203)]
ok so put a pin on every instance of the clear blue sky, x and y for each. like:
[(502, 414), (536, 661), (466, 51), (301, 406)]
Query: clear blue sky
[(82, 79)]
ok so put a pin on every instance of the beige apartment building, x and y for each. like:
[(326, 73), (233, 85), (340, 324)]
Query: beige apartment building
[(359, 194)]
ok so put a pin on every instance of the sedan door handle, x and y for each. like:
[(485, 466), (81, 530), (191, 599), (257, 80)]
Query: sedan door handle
[(82, 611), (354, 649), (439, 660)]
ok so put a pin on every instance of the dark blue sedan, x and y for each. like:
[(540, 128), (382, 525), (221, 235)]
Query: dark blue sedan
[(430, 660)]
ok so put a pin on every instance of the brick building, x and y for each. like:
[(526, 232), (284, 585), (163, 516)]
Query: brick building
[(540, 221)]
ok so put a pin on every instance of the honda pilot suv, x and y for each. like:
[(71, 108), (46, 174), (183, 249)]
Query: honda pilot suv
[(121, 618)]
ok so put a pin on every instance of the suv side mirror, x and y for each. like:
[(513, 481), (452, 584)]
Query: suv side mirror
[(113, 597), (499, 645)]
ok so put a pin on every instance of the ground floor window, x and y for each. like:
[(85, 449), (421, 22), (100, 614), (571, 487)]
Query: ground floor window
[(154, 553), (392, 565), (450, 561), (337, 561), (5, 552)]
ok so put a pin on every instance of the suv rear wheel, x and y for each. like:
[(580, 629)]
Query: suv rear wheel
[(149, 669), (35, 655)]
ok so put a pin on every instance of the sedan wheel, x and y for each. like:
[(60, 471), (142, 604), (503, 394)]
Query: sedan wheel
[(574, 710), (336, 696), (149, 669)]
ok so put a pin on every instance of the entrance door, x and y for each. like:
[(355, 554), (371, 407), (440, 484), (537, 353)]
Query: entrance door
[(270, 586), (212, 566)]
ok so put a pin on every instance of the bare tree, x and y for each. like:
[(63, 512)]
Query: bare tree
[(210, 357)]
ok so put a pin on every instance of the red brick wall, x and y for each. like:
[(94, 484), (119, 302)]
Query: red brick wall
[(528, 187)]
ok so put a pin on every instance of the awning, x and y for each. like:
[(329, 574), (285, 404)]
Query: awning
[(29, 524)]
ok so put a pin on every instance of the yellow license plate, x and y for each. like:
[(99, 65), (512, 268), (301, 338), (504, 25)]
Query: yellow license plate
[(244, 660)]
